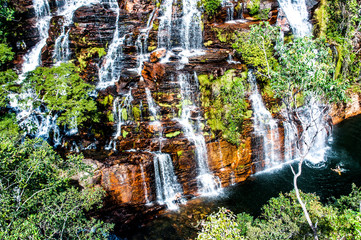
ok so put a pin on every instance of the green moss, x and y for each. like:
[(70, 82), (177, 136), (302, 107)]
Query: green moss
[(223, 35), (155, 26), (124, 114), (203, 79), (107, 101), (179, 153), (253, 6), (172, 134), (321, 17), (151, 48), (125, 133), (208, 43), (224, 101), (85, 56), (110, 116), (267, 90), (165, 105), (136, 113)]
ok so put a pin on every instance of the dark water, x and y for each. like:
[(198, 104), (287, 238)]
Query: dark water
[(344, 150)]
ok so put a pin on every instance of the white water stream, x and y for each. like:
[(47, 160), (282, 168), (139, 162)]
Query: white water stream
[(207, 183), (297, 15), (111, 68), (43, 16), (265, 126)]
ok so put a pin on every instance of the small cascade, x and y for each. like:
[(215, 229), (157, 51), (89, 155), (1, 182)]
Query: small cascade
[(314, 131), (43, 17), (111, 68), (122, 112), (169, 191), (66, 8), (230, 9), (185, 32), (207, 183), (265, 127), (297, 15), (240, 11), (141, 43), (290, 138), (145, 189)]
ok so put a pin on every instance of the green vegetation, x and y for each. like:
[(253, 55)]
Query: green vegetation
[(306, 67), (211, 6), (282, 218), (253, 6), (257, 48), (343, 20), (37, 200), (62, 91), (6, 16), (85, 56), (224, 98)]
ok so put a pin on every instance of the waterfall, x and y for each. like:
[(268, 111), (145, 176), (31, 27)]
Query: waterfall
[(297, 15), (111, 68), (265, 127), (141, 43), (144, 184), (290, 138), (33, 58), (66, 8), (230, 9), (167, 186), (314, 131), (122, 112), (185, 32), (207, 183)]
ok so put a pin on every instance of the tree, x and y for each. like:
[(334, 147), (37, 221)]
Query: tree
[(257, 48), (305, 73), (37, 200)]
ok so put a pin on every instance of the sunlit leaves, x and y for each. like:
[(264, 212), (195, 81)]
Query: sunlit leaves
[(61, 90)]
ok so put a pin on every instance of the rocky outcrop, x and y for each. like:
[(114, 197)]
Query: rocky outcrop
[(342, 111)]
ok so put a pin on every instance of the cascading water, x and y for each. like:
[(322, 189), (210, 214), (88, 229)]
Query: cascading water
[(141, 43), (111, 68), (184, 32), (290, 140), (43, 17), (265, 126), (144, 184), (207, 183), (315, 130), (66, 8), (122, 112), (167, 186), (230, 9), (297, 15)]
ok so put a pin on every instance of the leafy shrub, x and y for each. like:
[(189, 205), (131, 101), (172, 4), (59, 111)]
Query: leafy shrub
[(224, 98), (211, 6)]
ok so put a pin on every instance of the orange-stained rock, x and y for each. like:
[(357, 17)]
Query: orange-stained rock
[(156, 55), (340, 112), (153, 72), (129, 179), (230, 163)]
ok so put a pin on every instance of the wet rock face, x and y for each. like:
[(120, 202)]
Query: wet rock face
[(126, 164)]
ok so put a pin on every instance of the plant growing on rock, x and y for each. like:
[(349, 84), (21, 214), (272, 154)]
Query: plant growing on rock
[(257, 48), (211, 6), (61, 91), (37, 200), (224, 98)]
